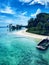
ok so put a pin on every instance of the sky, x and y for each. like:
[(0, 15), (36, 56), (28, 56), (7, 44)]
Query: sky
[(20, 11)]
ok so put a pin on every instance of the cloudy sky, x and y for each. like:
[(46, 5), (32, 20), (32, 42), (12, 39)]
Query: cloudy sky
[(20, 11)]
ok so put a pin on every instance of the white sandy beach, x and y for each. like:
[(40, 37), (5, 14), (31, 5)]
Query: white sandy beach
[(32, 35)]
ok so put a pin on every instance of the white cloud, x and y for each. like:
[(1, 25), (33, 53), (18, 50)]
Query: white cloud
[(22, 19), (18, 18), (37, 12), (37, 1), (25, 1), (8, 10), (24, 13), (6, 19), (42, 2)]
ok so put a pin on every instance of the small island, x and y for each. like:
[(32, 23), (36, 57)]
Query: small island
[(39, 25)]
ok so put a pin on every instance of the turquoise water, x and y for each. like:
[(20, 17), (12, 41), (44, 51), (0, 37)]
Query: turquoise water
[(19, 50)]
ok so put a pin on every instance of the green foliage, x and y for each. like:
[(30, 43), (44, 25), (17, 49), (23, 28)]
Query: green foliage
[(39, 25), (30, 24)]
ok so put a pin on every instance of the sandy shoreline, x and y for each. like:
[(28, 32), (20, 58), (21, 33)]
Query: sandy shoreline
[(27, 34)]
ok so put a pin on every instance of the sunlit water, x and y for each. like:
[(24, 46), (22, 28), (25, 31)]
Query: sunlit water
[(19, 50)]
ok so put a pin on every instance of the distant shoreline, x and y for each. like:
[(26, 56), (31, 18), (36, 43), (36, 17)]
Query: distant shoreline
[(32, 35)]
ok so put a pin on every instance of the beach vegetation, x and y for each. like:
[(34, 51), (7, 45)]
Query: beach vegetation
[(39, 25)]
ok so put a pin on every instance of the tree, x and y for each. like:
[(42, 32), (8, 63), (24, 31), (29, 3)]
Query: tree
[(30, 22), (40, 26), (47, 26)]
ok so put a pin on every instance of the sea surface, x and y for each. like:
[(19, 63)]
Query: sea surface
[(19, 50)]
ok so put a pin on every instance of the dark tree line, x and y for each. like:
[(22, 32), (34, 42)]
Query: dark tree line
[(40, 24)]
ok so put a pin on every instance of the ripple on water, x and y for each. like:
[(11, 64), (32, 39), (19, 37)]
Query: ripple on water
[(21, 51)]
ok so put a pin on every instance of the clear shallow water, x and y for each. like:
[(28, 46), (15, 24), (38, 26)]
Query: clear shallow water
[(18, 50)]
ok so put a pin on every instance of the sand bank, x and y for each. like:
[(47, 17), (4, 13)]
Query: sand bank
[(27, 34)]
